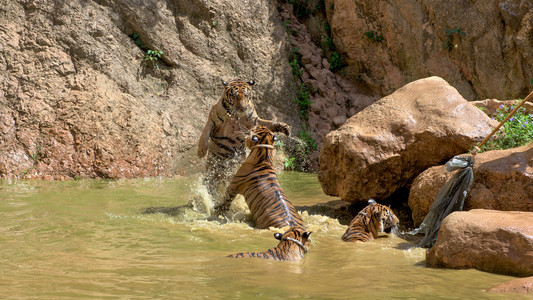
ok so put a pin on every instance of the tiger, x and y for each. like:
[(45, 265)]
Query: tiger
[(258, 182), (223, 136), (369, 222), (294, 243)]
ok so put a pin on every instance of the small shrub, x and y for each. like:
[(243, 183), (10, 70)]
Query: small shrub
[(336, 62), (373, 36), (137, 40), (289, 163), (515, 132), (152, 56)]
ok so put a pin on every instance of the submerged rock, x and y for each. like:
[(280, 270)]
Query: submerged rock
[(487, 240), (516, 286), (389, 143), (503, 180)]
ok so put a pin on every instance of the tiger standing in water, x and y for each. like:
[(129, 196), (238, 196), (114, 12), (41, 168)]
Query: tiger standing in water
[(258, 182), (369, 222), (294, 243), (229, 121)]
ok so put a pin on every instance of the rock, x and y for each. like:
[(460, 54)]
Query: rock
[(389, 143), (487, 240), (482, 50), (77, 97), (490, 106), (502, 181), (326, 86), (516, 286)]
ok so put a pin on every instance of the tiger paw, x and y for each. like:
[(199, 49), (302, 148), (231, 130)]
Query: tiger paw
[(283, 128)]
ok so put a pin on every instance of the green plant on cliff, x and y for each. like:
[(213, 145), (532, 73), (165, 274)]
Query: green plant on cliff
[(152, 56), (450, 34), (374, 36), (515, 132), (336, 61)]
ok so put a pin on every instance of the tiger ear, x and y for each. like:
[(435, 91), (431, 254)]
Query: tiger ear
[(307, 234), (278, 235), (371, 201), (251, 82), (225, 83)]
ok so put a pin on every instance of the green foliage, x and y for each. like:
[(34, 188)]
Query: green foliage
[(308, 140), (327, 44), (374, 37), (295, 61), (137, 40), (531, 81), (336, 62), (152, 56), (303, 101), (289, 163), (515, 132), (450, 33)]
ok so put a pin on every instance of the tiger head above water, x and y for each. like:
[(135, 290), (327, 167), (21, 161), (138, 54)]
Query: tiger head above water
[(369, 222), (294, 243), (237, 95)]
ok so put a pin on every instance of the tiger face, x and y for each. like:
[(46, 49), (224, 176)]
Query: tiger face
[(238, 94), (261, 136), (370, 221), (296, 235)]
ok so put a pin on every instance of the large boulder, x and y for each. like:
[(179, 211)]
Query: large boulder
[(78, 98), (481, 48), (502, 181), (386, 145), (487, 240)]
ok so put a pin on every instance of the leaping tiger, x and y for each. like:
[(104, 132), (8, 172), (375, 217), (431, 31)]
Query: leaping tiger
[(369, 222), (230, 119), (294, 243), (258, 182)]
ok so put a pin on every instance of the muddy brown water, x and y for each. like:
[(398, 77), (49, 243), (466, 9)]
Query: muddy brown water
[(88, 239)]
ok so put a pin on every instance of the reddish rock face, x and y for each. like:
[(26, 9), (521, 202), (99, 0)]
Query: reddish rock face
[(503, 180), (487, 240), (516, 286), (481, 48), (390, 142)]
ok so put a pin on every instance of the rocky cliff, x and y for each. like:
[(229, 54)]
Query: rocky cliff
[(79, 98), (482, 48)]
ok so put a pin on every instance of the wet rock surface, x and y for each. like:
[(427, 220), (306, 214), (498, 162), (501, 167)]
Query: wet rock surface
[(488, 240)]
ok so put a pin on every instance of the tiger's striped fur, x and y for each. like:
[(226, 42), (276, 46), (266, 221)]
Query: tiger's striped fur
[(294, 243), (369, 222), (223, 136), (258, 182)]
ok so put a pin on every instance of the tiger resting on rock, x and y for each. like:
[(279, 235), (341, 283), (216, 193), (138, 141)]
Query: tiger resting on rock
[(294, 243), (258, 182), (229, 121), (369, 222)]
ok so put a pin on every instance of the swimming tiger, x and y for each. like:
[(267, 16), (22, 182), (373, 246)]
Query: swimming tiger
[(257, 181), (230, 119), (294, 243), (369, 222)]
